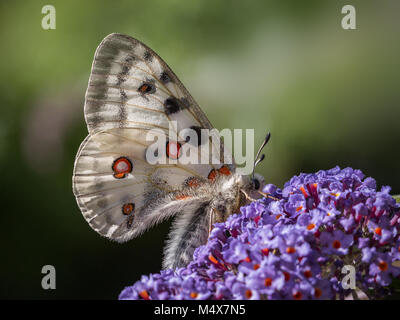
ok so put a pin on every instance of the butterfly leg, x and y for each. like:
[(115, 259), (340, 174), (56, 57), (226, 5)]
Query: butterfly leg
[(267, 195), (212, 220), (216, 215), (248, 197)]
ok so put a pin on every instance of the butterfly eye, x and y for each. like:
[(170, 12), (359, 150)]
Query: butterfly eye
[(121, 167), (256, 184), (258, 181)]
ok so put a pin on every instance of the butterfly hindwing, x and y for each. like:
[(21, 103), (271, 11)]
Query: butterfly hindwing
[(113, 184)]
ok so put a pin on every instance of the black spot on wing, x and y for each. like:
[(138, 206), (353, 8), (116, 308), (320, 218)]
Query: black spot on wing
[(199, 141), (147, 87), (122, 113), (125, 70), (120, 79), (129, 59), (173, 105), (148, 56), (94, 120), (122, 75), (123, 95), (165, 77)]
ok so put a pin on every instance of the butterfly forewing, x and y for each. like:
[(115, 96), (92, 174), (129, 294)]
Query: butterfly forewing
[(130, 86)]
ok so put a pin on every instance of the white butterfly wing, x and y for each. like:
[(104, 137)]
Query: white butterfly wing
[(132, 91), (130, 86), (121, 66), (122, 202)]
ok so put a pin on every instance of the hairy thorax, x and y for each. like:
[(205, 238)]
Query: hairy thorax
[(229, 195)]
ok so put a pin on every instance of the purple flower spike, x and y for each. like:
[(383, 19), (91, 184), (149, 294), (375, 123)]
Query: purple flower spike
[(294, 247)]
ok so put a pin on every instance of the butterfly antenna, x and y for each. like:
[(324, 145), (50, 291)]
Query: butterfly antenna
[(259, 158)]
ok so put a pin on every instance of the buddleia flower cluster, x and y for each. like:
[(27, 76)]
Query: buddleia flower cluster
[(294, 244)]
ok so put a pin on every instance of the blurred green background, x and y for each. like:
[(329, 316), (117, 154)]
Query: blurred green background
[(329, 97)]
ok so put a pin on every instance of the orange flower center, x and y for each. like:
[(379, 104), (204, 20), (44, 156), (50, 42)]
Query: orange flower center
[(144, 294), (290, 250), (256, 266), (318, 292), (247, 259), (311, 226), (287, 275), (299, 208), (383, 266), (248, 294), (378, 231), (336, 244), (268, 282), (265, 251), (297, 295), (304, 192), (308, 274), (194, 295), (212, 259)]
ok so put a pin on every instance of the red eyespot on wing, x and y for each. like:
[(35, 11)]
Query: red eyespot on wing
[(173, 150), (128, 208), (224, 170), (144, 88), (121, 167), (212, 175)]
